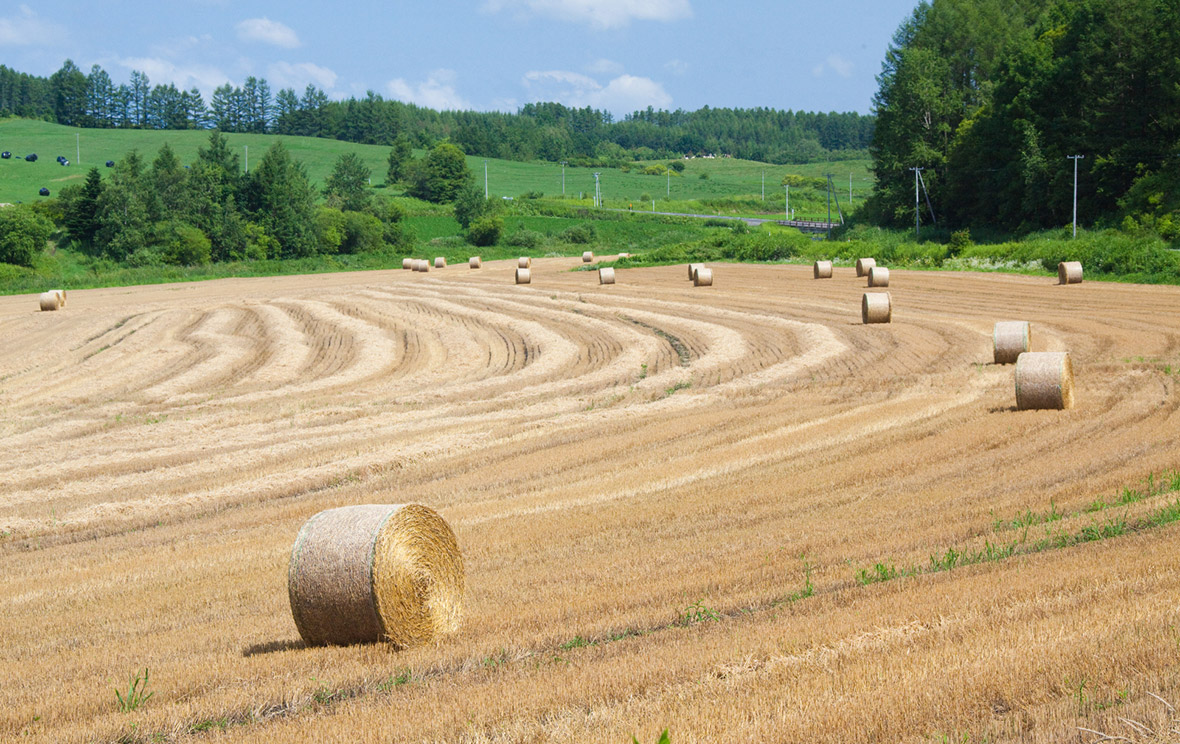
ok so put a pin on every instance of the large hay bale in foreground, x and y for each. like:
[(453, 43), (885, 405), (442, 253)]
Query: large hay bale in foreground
[(523, 276), (692, 270), (822, 269), (50, 300), (702, 277), (407, 263), (878, 276), (876, 307), (1010, 339), (1044, 379), (1069, 272), (863, 265), (587, 256), (440, 262), (361, 574), (61, 296), (606, 275), (474, 262), (524, 262)]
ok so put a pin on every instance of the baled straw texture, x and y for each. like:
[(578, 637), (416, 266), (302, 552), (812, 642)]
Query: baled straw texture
[(1010, 339), (1069, 272), (407, 263), (474, 262), (524, 262), (440, 262), (360, 574), (523, 276), (587, 256), (50, 300), (424, 265), (863, 265), (878, 276), (692, 270), (702, 277), (606, 275), (822, 269), (1044, 379), (876, 307), (61, 296)]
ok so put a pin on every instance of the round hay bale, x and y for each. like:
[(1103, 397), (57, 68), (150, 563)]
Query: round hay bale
[(50, 300), (623, 255), (702, 277), (61, 296), (524, 262), (440, 263), (523, 276), (587, 256), (474, 262), (423, 265), (1069, 272), (876, 307), (692, 269), (606, 275), (1010, 339), (822, 269), (878, 276), (361, 574), (863, 265), (408, 263), (1044, 379)]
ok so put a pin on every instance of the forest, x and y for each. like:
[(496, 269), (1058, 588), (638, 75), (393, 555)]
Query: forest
[(997, 99)]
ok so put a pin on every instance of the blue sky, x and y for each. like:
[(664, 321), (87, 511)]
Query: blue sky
[(617, 55)]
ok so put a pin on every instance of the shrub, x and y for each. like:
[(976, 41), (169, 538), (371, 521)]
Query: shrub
[(485, 231), (655, 169), (677, 165), (959, 240), (23, 232), (362, 233), (525, 238), (185, 245), (583, 233)]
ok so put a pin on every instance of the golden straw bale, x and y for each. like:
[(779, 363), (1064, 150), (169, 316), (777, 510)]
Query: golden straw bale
[(524, 262), (424, 265), (440, 262), (863, 265), (475, 262), (1044, 379), (876, 307), (692, 269), (373, 572), (523, 276), (50, 300), (1069, 272), (407, 263), (1010, 339), (606, 275), (702, 277), (878, 276), (587, 256), (822, 269)]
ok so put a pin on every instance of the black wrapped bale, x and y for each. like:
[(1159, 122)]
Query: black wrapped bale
[(44, 191), (31, 157), (110, 163), (6, 155)]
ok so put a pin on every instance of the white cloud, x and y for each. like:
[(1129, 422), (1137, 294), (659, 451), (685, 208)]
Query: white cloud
[(162, 71), (836, 64), (268, 32), (601, 14), (676, 66), (298, 76), (28, 29), (436, 92), (622, 95)]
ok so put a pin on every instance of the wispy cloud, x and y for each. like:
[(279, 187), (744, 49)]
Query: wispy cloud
[(184, 76), (836, 64), (26, 28), (266, 31), (436, 92), (601, 14), (299, 75), (621, 95), (605, 67)]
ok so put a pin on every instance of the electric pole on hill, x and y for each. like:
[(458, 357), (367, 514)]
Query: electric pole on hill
[(829, 175), (485, 180), (1075, 159), (917, 211)]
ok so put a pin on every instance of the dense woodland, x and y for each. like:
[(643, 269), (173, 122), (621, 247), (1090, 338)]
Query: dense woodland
[(547, 131), (991, 97)]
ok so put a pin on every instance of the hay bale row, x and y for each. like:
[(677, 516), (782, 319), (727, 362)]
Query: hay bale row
[(376, 572), (876, 307), (878, 276), (822, 269), (408, 263), (692, 270), (1010, 339), (1069, 272), (1044, 379), (606, 275), (863, 265), (474, 262), (702, 277), (421, 264), (523, 276)]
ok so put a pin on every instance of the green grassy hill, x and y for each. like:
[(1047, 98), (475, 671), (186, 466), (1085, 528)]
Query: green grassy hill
[(726, 178)]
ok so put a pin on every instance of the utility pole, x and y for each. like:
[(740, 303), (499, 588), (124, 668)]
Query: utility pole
[(668, 193), (77, 148), (917, 215), (1075, 159), (787, 204), (829, 175), (485, 180), (597, 192), (563, 178), (763, 184)]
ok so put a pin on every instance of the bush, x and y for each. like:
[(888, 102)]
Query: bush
[(525, 238), (677, 165), (655, 169), (362, 233), (185, 245), (959, 240), (23, 233), (485, 231), (583, 233)]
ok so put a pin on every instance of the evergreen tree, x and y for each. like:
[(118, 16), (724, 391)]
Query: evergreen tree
[(281, 200), (347, 185), (81, 212), (400, 156)]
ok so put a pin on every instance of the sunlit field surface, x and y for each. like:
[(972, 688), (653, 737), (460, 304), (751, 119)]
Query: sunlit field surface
[(732, 512)]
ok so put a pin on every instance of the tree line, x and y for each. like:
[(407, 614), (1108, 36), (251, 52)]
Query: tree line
[(545, 131), (992, 97)]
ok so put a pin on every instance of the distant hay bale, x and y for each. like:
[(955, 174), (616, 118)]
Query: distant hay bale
[(50, 300), (878, 276), (407, 263), (423, 265), (606, 275), (623, 255), (1044, 379), (1069, 272), (61, 296), (587, 256), (440, 263), (692, 268), (822, 269), (863, 265), (361, 574), (524, 262), (876, 307), (1010, 339), (702, 277), (524, 276), (474, 262)]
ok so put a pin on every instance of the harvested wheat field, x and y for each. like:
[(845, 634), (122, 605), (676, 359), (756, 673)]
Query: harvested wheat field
[(740, 515)]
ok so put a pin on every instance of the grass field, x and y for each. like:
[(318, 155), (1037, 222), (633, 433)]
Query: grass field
[(735, 513)]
